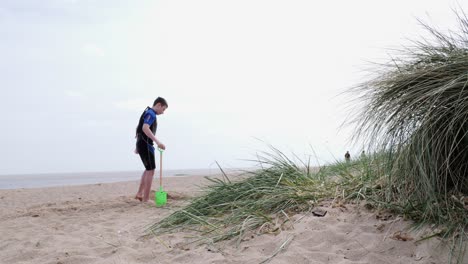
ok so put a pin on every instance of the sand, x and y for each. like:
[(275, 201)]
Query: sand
[(102, 223)]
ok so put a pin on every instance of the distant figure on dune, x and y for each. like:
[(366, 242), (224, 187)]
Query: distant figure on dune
[(363, 155), (347, 156), (145, 135)]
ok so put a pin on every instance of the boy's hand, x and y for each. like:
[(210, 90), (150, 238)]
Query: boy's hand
[(161, 146)]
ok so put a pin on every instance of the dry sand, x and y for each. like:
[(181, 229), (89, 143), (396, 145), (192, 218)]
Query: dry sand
[(102, 223)]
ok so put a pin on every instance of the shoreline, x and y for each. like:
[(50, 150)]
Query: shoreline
[(43, 180)]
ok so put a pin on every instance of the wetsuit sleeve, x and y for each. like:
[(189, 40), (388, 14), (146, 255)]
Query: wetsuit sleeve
[(149, 119)]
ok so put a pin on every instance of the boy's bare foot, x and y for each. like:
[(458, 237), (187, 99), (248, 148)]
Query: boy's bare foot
[(139, 198)]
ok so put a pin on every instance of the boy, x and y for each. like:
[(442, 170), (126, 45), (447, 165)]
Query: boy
[(145, 135)]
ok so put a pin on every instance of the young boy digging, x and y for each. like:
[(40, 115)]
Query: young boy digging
[(145, 135)]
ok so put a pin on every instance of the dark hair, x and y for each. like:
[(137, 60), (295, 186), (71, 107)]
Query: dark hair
[(160, 100)]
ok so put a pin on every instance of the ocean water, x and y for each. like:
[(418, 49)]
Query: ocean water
[(61, 179)]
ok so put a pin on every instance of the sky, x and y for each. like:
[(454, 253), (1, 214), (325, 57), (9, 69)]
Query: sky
[(237, 75)]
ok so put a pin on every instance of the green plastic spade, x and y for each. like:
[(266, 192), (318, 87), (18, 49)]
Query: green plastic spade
[(160, 198)]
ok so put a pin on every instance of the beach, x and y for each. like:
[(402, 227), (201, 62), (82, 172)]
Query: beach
[(103, 223)]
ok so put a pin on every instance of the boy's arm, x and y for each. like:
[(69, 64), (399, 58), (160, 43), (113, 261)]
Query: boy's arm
[(149, 133)]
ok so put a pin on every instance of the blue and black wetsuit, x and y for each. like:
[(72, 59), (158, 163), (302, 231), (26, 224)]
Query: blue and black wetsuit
[(144, 144)]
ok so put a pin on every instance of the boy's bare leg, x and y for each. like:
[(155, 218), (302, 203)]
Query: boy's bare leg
[(147, 187), (139, 195)]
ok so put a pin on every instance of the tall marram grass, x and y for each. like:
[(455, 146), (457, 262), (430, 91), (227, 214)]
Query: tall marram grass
[(416, 112), (233, 208), (262, 200)]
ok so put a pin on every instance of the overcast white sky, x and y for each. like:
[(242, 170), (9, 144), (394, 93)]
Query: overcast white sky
[(76, 74)]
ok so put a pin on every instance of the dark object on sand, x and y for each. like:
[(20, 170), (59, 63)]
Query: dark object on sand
[(319, 212)]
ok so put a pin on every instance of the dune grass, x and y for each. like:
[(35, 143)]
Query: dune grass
[(232, 208), (416, 112), (262, 200)]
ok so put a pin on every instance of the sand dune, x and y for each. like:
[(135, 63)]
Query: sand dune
[(102, 223)]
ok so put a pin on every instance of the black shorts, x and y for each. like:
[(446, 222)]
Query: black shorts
[(146, 155)]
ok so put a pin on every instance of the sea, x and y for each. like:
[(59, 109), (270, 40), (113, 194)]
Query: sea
[(17, 181)]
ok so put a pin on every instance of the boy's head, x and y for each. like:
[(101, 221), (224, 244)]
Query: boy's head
[(160, 105)]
